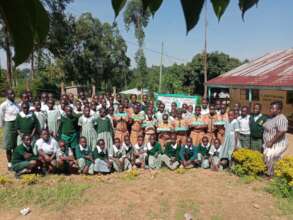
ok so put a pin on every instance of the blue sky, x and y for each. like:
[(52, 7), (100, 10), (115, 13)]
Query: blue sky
[(266, 28)]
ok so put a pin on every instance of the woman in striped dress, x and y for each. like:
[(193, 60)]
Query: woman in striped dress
[(275, 140)]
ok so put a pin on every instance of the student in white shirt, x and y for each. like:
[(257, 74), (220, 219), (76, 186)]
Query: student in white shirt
[(204, 107), (244, 128), (47, 148), (8, 112)]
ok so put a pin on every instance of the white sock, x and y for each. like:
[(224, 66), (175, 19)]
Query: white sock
[(9, 165)]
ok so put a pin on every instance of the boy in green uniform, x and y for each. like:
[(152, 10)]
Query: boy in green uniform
[(23, 159), (188, 155), (203, 152), (171, 153), (256, 128), (69, 128), (84, 157), (154, 151)]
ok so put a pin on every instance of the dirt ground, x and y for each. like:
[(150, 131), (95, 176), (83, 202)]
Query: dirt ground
[(165, 195)]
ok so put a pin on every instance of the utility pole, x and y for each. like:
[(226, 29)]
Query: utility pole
[(161, 67), (205, 58)]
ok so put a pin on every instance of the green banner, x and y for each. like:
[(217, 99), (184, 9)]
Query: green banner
[(179, 99)]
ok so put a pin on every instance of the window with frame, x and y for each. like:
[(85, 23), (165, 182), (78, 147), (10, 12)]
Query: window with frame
[(289, 97), (254, 94)]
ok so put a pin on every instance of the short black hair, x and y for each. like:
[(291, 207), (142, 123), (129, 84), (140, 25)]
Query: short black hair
[(278, 103)]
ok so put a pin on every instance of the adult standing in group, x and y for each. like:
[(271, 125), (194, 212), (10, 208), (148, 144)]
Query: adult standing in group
[(275, 139), (8, 112), (257, 119)]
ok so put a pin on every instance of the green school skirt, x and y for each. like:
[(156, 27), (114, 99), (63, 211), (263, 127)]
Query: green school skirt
[(20, 166), (10, 135), (71, 139)]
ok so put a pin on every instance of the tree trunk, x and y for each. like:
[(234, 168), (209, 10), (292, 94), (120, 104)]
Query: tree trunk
[(8, 58), (32, 65)]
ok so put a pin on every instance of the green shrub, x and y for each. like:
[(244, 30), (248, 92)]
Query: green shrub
[(248, 163)]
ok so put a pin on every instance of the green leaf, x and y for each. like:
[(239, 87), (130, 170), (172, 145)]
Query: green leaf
[(220, 7), (117, 5), (244, 5), (153, 5), (191, 10), (27, 23)]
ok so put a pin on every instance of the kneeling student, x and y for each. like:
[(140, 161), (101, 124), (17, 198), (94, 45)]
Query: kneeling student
[(139, 152), (23, 159), (65, 158), (189, 155), (84, 157), (47, 147), (203, 152), (120, 161), (171, 153), (217, 163), (101, 157), (154, 151)]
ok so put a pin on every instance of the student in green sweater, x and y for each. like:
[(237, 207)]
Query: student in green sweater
[(84, 157), (203, 152), (103, 164), (171, 153), (69, 128), (154, 152), (26, 123), (256, 121), (23, 159), (188, 155)]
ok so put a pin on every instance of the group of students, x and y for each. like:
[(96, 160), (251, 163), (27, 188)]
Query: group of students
[(109, 133)]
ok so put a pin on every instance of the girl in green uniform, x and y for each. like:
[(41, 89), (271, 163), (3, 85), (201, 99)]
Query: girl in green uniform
[(87, 124), (104, 130), (26, 123)]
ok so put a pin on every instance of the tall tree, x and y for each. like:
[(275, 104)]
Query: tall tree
[(135, 15)]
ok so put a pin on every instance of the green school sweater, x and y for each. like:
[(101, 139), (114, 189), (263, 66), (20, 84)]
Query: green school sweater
[(204, 151), (171, 152), (69, 125), (187, 153), (18, 154), (27, 124), (100, 155), (256, 127), (155, 150), (82, 153)]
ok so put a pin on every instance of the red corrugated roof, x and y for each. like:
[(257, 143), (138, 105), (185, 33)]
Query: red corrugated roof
[(271, 70)]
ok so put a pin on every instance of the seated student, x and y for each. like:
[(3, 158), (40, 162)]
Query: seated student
[(215, 156), (84, 157), (139, 152), (65, 158), (203, 152), (154, 151), (101, 157), (120, 161), (46, 147), (171, 153), (188, 155), (128, 147), (23, 159)]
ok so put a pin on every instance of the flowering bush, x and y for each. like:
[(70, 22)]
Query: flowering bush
[(284, 169), (248, 163), (30, 179)]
